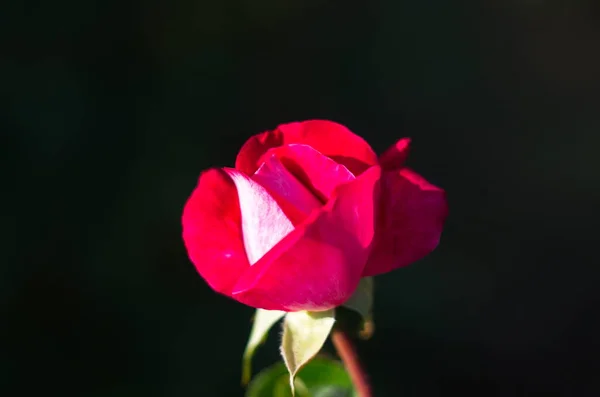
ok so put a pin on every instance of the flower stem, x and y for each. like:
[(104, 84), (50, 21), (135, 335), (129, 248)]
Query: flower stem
[(346, 351)]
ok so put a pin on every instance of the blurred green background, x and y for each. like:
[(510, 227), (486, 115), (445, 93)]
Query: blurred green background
[(109, 111)]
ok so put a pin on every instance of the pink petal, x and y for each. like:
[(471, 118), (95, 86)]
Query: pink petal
[(319, 173), (330, 138), (395, 156), (412, 216), (293, 197), (263, 222), (212, 231), (319, 264)]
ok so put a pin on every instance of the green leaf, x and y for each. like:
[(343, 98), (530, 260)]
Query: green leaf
[(321, 377), (332, 391), (361, 300), (304, 334), (326, 378), (263, 321)]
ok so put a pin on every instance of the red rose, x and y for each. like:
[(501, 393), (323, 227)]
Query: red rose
[(307, 211)]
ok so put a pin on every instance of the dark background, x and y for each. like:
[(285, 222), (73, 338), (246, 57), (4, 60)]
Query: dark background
[(109, 111)]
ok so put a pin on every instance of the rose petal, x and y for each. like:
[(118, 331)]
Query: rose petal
[(395, 156), (212, 231), (330, 138), (319, 264), (412, 215), (316, 171), (296, 201), (264, 224)]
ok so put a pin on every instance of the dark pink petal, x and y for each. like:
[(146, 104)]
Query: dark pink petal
[(319, 173), (395, 156), (319, 264), (412, 215), (293, 197), (330, 138), (212, 231)]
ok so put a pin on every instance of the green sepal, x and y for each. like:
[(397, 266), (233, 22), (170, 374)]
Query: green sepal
[(361, 300), (263, 322), (304, 334)]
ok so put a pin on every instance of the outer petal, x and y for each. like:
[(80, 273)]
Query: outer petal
[(212, 231), (395, 156), (319, 264), (413, 212), (319, 173), (330, 138)]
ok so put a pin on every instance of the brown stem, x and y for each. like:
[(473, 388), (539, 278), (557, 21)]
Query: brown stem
[(346, 351)]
